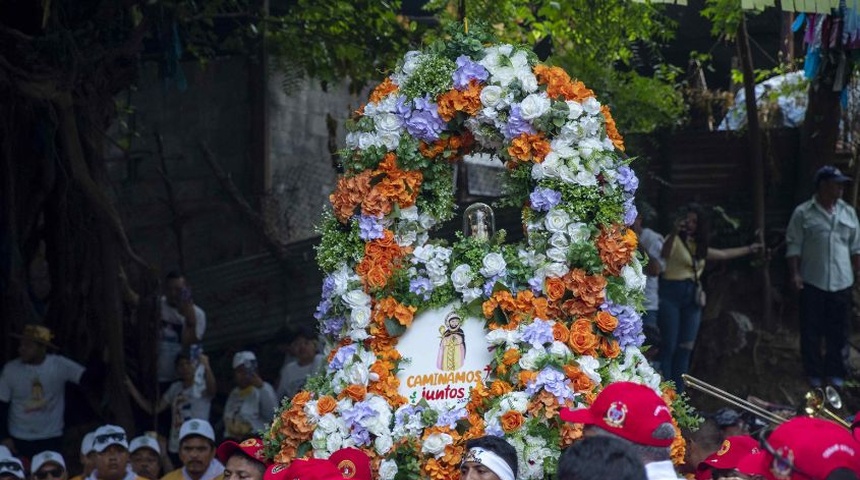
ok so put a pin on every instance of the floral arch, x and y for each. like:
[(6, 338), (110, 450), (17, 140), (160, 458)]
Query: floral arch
[(559, 311)]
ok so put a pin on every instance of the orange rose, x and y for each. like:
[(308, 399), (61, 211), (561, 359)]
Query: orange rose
[(582, 338), (382, 90), (355, 392), (500, 387), (527, 376), (609, 347), (555, 288), (326, 404), (511, 421), (606, 321), (560, 333), (301, 399), (511, 356), (376, 277)]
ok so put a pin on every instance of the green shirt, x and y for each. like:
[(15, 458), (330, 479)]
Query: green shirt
[(824, 242)]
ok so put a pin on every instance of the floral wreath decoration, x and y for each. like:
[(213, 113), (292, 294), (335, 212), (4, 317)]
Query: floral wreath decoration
[(561, 309)]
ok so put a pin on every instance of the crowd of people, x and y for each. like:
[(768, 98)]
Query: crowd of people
[(628, 428)]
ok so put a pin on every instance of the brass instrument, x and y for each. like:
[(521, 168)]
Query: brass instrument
[(733, 400), (817, 401)]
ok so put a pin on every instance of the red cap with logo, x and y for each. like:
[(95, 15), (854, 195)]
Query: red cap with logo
[(253, 447), (352, 463), (303, 469), (731, 452), (629, 410), (804, 448)]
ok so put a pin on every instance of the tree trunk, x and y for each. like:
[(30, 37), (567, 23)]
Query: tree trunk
[(755, 144)]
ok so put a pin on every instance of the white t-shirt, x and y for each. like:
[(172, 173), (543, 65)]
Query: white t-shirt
[(652, 242), (170, 338), (248, 410), (184, 405), (293, 375), (37, 395)]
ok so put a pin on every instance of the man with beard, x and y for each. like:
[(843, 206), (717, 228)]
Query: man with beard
[(197, 452)]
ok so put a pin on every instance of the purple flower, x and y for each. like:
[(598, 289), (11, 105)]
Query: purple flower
[(449, 418), (322, 309), (468, 70), (358, 413), (421, 286), (536, 285), (630, 212), (332, 326), (369, 228), (360, 435), (494, 429), (629, 329), (537, 333), (516, 124), (328, 286), (402, 416), (553, 382), (422, 121), (627, 179), (543, 199), (342, 356)]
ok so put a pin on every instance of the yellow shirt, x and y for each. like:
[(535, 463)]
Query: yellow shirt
[(679, 265)]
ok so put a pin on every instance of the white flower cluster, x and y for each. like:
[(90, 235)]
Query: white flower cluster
[(337, 429), (388, 127), (435, 261)]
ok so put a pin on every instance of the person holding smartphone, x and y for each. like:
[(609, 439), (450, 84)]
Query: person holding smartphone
[(252, 401), (182, 326)]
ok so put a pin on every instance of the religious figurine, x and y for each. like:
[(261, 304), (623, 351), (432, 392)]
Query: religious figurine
[(452, 345), (479, 222)]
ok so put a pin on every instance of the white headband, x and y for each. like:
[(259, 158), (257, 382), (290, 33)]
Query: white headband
[(491, 460)]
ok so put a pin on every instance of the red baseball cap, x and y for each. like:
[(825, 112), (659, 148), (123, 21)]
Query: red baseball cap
[(629, 410), (731, 452), (352, 463), (303, 469), (253, 447), (804, 448)]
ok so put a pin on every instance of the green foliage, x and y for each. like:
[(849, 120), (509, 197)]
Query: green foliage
[(431, 77), (335, 248), (725, 17)]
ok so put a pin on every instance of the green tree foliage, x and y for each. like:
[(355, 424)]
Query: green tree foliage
[(601, 43)]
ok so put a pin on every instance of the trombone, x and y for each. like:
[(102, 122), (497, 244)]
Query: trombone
[(817, 401)]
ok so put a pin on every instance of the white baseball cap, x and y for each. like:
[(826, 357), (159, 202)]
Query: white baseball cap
[(196, 426), (42, 458), (240, 358), (5, 452), (144, 441), (87, 443), (108, 435), (10, 465)]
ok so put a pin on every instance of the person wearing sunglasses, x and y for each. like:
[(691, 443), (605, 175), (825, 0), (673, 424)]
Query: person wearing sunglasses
[(805, 448), (11, 468), (111, 446), (48, 465)]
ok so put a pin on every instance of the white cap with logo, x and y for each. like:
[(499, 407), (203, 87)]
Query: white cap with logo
[(144, 441), (196, 426), (243, 358), (47, 456), (10, 465), (87, 443), (108, 435)]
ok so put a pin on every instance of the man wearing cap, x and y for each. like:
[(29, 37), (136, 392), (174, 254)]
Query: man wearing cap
[(87, 456), (634, 413), (48, 465), (145, 455), (111, 446), (197, 452), (823, 255), (805, 448), (724, 462), (33, 392), (251, 403), (11, 468), (243, 461)]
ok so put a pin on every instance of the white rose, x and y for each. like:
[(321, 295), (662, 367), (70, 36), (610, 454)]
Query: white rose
[(356, 298), (360, 317), (406, 239), (390, 140), (340, 277), (358, 334), (435, 444), (563, 149), (356, 374), (528, 81), (387, 122), (556, 220), (579, 232), (589, 366), (319, 440), (426, 221), (366, 140), (534, 105), (538, 171), (559, 349), (519, 60), (500, 336), (567, 173), (585, 178), (634, 279), (461, 276), (557, 254), (559, 240), (574, 109), (556, 269), (504, 76), (422, 254), (411, 61), (387, 470), (530, 359), (383, 444), (591, 106), (491, 96), (493, 265), (328, 423)]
